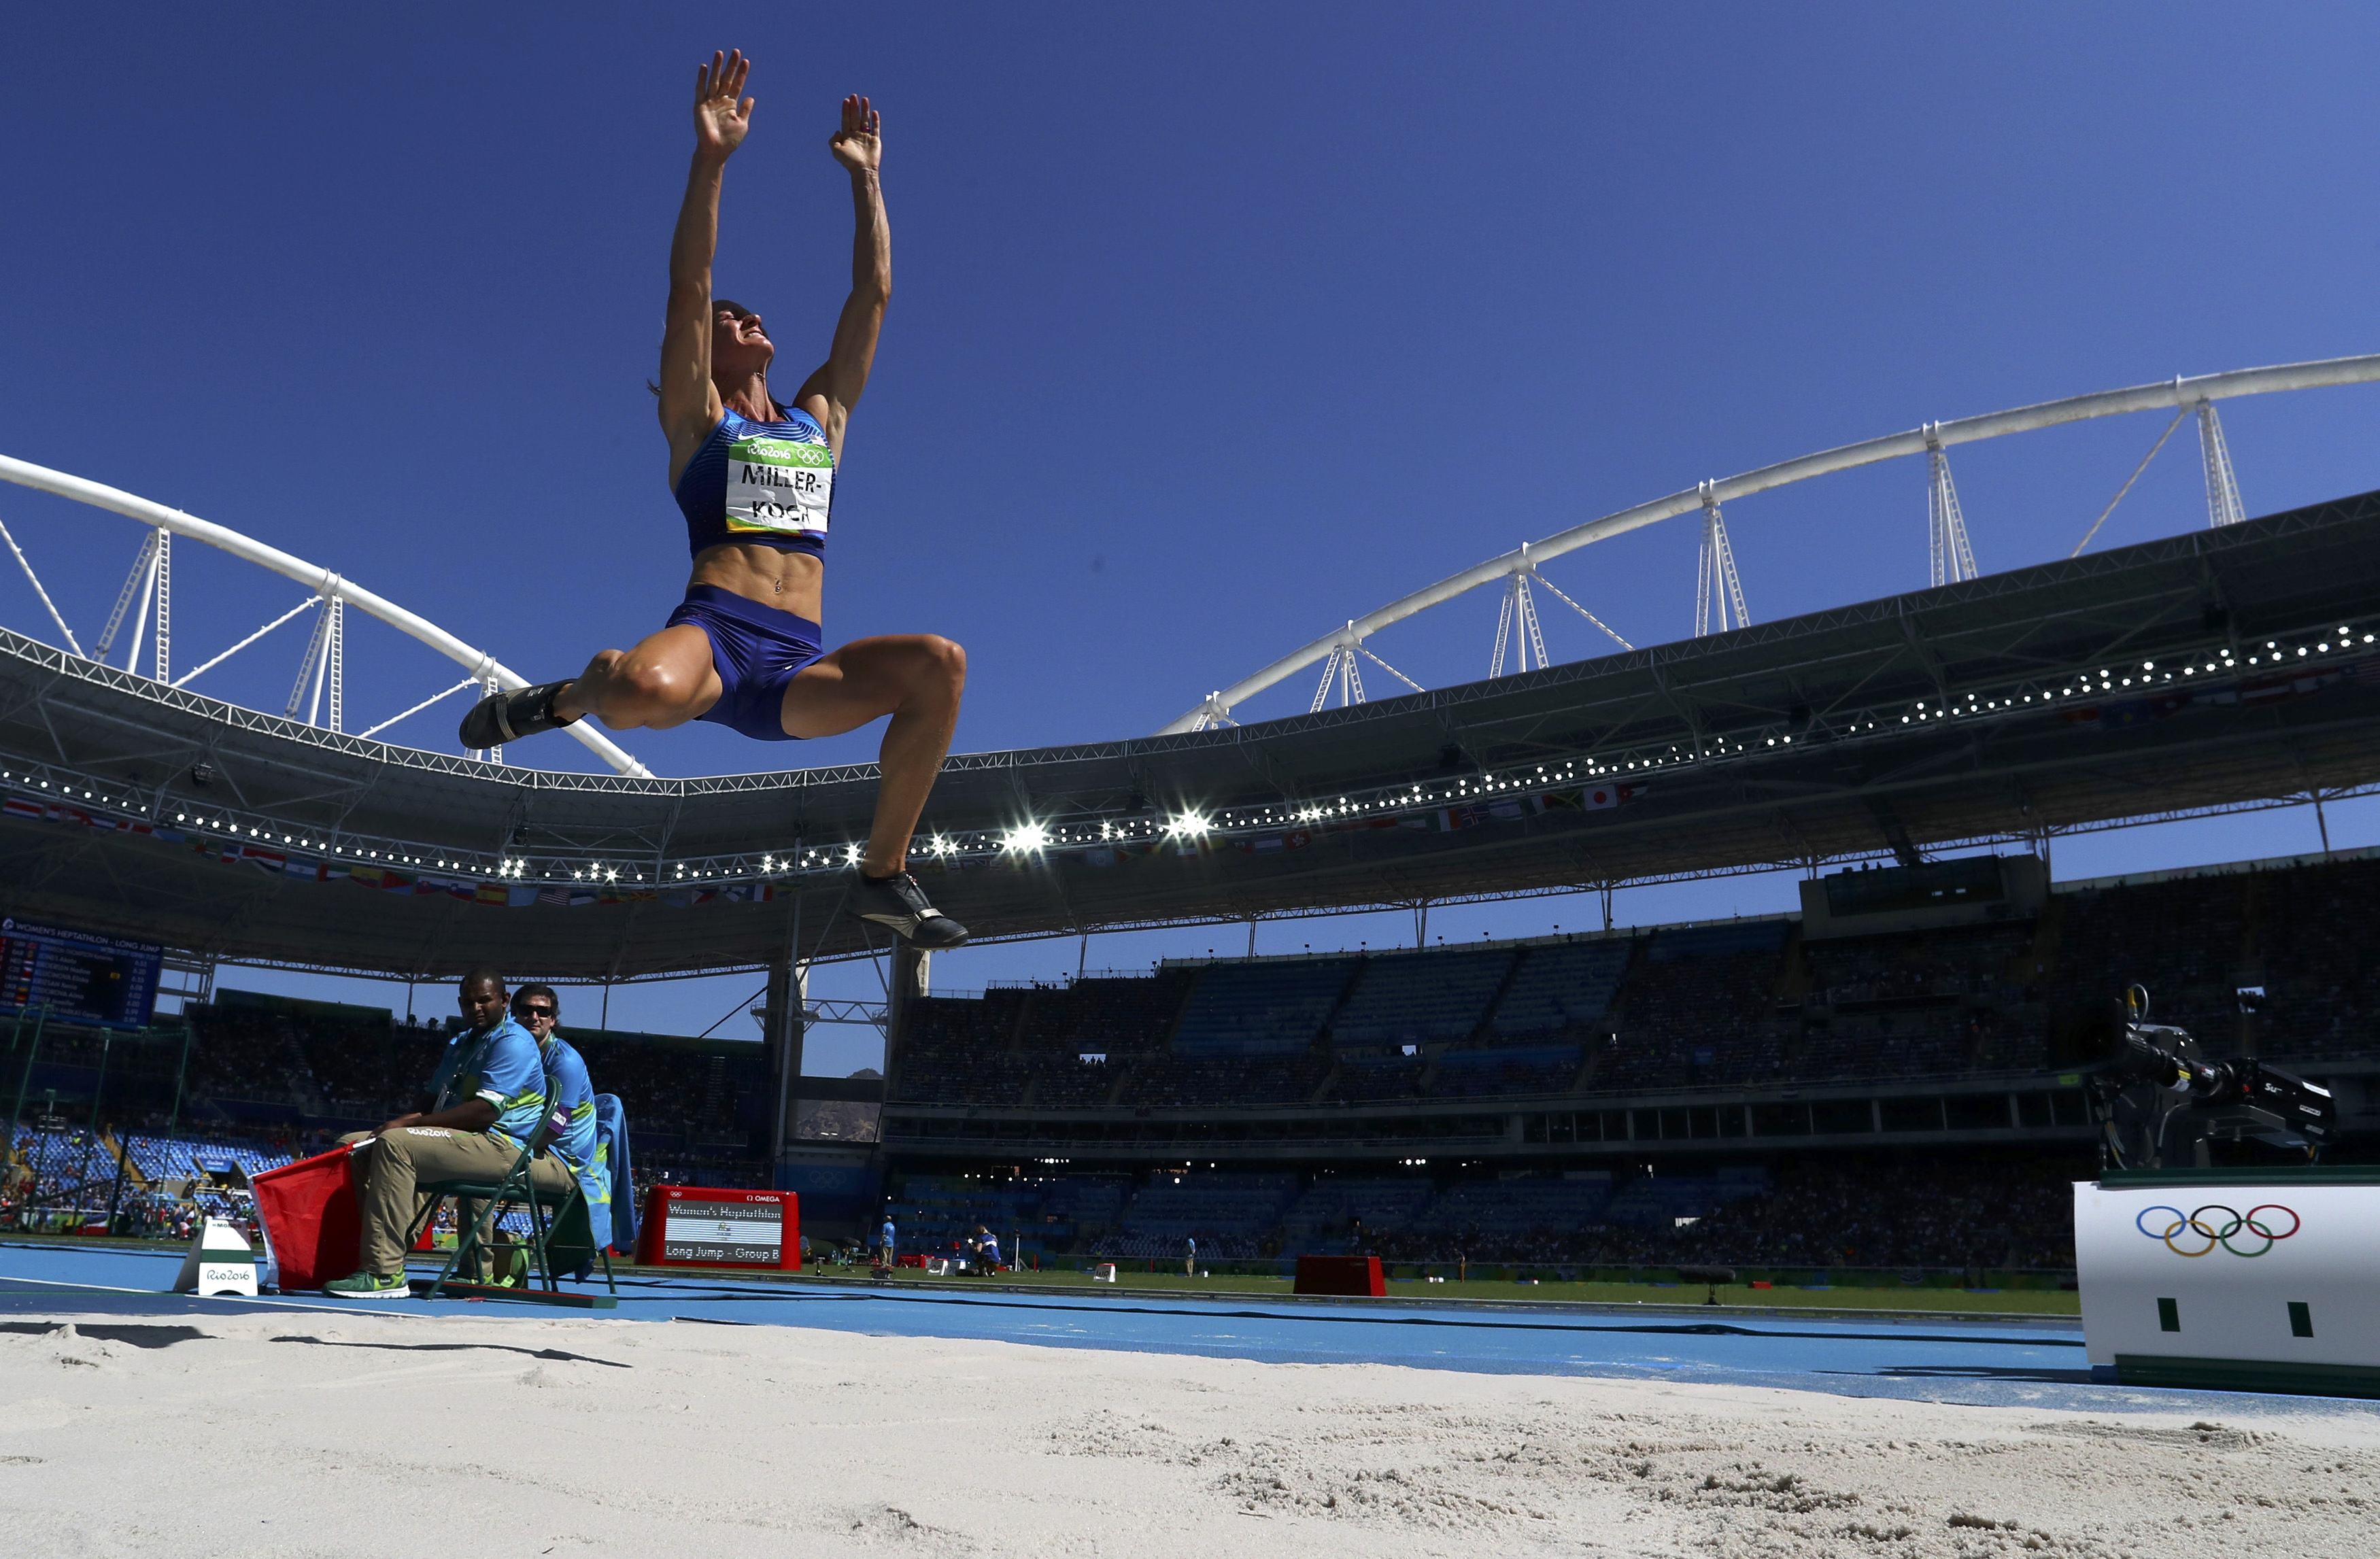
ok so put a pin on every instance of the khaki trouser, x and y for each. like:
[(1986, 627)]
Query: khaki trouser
[(398, 1160)]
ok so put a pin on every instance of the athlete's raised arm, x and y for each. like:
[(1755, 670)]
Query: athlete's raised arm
[(689, 401), (831, 392)]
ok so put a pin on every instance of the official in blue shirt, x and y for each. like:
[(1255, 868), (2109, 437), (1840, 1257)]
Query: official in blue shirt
[(489, 1102), (537, 1009)]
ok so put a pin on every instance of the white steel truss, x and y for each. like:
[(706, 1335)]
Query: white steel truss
[(310, 666), (162, 593), (151, 586), (148, 586), (496, 753), (1949, 558), (1717, 584), (137, 584), (2128, 482), (2222, 505), (1341, 670), (1519, 611), (47, 605), (2180, 392), (1560, 596)]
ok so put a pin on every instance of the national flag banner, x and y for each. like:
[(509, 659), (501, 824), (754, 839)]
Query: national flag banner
[(1296, 838), (367, 877), (1592, 797), (264, 860), (582, 896), (490, 893), (1264, 844), (19, 806), (1101, 855), (559, 897), (302, 867), (520, 896)]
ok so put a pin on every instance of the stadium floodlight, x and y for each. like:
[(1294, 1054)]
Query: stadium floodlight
[(1029, 839)]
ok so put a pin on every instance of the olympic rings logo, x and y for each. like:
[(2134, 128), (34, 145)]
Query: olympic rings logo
[(2217, 1224)]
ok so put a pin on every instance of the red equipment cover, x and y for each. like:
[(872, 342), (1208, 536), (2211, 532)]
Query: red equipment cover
[(312, 1223), (709, 1226), (1340, 1275)]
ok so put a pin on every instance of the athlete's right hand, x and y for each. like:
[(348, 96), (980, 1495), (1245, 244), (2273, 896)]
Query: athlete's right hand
[(720, 120)]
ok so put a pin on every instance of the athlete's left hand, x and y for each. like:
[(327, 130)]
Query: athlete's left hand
[(859, 145)]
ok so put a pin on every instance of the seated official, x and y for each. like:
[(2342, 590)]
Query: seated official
[(572, 1140), (490, 1100)]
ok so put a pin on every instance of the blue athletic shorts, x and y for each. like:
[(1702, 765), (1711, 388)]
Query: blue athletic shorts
[(757, 650)]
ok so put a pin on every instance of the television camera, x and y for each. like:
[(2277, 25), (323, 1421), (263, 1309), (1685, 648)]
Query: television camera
[(2155, 1098)]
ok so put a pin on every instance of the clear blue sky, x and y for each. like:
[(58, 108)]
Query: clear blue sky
[(1210, 329)]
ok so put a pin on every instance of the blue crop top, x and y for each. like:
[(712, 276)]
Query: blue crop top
[(765, 482)]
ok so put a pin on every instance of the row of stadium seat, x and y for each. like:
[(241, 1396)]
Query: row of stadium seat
[(1738, 1004)]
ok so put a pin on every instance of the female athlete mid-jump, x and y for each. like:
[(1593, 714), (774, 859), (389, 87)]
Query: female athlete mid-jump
[(755, 476)]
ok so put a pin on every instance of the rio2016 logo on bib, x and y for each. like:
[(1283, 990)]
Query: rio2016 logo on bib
[(779, 486)]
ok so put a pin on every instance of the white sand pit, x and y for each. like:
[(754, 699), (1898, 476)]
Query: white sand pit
[(364, 1435)]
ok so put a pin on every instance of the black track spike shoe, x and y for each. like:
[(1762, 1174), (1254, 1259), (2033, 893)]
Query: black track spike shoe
[(507, 717), (897, 901)]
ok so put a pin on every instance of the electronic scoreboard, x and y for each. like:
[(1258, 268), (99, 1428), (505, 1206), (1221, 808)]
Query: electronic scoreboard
[(706, 1226), (80, 976)]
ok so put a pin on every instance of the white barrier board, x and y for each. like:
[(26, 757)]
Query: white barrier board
[(2250, 1280), (220, 1261)]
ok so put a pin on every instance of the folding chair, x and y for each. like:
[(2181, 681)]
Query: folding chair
[(563, 1243)]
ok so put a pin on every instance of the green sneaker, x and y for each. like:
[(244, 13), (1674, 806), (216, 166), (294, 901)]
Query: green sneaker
[(364, 1286)]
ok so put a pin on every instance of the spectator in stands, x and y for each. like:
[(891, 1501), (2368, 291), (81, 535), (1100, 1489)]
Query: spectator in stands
[(491, 1103)]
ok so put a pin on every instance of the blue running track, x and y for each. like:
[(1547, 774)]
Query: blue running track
[(1995, 1362)]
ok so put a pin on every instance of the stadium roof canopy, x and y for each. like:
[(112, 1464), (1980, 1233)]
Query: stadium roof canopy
[(2218, 668)]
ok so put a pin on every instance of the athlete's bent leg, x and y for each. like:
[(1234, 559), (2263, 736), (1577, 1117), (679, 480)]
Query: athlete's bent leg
[(915, 678), (666, 680)]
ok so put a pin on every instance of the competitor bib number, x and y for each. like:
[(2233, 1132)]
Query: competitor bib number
[(778, 486)]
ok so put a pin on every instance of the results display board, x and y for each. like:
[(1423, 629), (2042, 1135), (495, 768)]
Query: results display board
[(82, 977), (704, 1226)]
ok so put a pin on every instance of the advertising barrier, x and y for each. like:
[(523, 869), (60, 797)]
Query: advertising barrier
[(2250, 1280)]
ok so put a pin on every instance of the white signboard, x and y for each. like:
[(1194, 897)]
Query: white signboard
[(220, 1261), (2253, 1282)]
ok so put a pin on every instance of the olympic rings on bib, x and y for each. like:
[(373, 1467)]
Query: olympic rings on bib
[(2217, 1224)]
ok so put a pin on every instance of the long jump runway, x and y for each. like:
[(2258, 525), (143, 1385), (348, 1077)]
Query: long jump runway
[(1996, 1362)]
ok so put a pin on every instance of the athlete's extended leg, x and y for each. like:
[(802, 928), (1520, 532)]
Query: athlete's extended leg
[(668, 679), (915, 678)]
